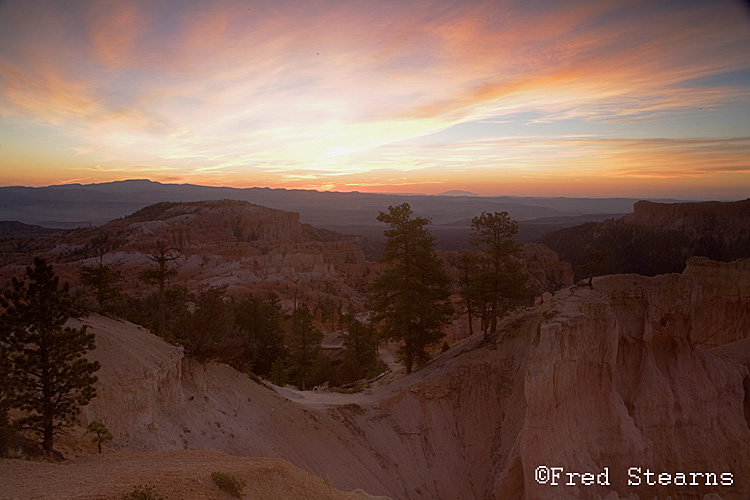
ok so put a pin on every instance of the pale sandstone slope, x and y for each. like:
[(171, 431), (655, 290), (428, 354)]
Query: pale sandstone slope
[(183, 475), (153, 398), (619, 376)]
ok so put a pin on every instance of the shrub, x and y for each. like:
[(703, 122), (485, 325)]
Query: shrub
[(147, 492), (229, 483), (100, 434)]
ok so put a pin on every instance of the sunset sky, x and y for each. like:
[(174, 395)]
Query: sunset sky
[(528, 97)]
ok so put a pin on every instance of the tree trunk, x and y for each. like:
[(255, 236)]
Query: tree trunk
[(162, 320), (48, 436), (409, 356)]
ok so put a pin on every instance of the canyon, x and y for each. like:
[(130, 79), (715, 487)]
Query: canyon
[(600, 384), (246, 248), (633, 372)]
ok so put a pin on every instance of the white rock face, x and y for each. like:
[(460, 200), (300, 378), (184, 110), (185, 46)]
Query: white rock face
[(619, 379)]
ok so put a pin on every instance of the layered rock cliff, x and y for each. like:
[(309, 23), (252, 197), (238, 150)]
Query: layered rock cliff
[(547, 273), (622, 377), (658, 238), (729, 221)]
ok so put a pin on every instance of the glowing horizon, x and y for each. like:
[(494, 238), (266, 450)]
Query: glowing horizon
[(621, 98)]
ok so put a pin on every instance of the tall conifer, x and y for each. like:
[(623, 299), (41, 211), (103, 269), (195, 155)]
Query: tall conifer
[(411, 298), (49, 375)]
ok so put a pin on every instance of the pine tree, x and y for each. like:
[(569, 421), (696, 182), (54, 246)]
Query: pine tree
[(50, 377), (304, 345), (101, 279), (360, 346), (105, 284), (99, 434), (495, 282), (259, 321), (163, 256), (209, 324), (411, 298)]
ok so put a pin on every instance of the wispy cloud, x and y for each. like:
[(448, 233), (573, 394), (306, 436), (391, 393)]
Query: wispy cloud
[(289, 92)]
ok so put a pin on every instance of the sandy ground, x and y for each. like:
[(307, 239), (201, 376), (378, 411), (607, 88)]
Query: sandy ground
[(173, 474)]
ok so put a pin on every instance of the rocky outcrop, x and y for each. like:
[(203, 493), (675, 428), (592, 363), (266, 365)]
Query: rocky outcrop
[(248, 248), (595, 380), (12, 230), (724, 300), (547, 273)]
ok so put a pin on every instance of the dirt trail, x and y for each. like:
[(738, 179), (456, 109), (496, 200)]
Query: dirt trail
[(321, 399)]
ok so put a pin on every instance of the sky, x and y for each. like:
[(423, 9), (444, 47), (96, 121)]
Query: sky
[(529, 97)]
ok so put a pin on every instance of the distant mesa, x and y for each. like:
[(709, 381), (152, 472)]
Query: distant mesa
[(457, 192)]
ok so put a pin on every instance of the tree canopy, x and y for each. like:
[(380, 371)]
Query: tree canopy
[(493, 283), (304, 345), (410, 300), (163, 256)]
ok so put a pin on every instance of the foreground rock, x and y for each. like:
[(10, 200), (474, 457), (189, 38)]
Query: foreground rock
[(609, 378), (621, 379), (637, 372), (153, 398), (185, 475)]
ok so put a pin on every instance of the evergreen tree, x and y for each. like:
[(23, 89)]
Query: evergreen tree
[(411, 298), (209, 324), (105, 284), (360, 347), (279, 374), (99, 434), (495, 282), (163, 256), (468, 265), (50, 377), (259, 321), (304, 345)]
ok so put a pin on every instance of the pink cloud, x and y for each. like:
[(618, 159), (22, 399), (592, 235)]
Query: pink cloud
[(222, 88)]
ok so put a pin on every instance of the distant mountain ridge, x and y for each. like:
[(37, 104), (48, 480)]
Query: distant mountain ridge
[(457, 192), (77, 205), (74, 205), (13, 229)]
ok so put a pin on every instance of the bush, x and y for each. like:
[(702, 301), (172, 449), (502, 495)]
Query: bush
[(147, 492), (229, 483), (100, 434)]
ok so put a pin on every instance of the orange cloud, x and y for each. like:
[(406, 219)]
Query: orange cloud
[(290, 91)]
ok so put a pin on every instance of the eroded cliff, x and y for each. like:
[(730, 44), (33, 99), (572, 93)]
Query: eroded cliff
[(636, 372), (622, 377)]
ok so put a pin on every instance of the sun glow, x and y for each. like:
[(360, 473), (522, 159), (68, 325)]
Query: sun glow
[(452, 95)]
